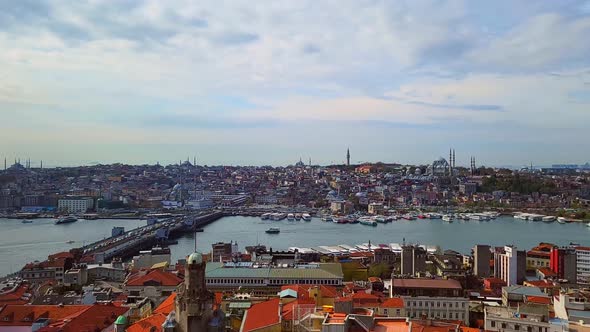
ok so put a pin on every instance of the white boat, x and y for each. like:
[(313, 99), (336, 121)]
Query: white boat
[(588, 224), (290, 217), (327, 218), (561, 220), (265, 216), (306, 217), (447, 217), (66, 220), (549, 218)]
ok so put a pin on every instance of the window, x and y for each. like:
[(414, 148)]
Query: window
[(529, 329), (503, 325), (516, 327), (493, 323)]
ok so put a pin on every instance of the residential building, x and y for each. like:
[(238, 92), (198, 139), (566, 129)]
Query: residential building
[(510, 265), (481, 260), (75, 204), (221, 252), (376, 208), (525, 318), (154, 284), (445, 308), (148, 258), (583, 264), (573, 306), (563, 262), (513, 295)]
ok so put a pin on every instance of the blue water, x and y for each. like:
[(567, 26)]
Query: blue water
[(21, 243), (458, 235)]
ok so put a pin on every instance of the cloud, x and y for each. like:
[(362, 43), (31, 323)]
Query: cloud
[(272, 68)]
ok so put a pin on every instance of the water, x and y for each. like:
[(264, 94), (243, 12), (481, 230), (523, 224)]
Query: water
[(22, 243), (458, 235)]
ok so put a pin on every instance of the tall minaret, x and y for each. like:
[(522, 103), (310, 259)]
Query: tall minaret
[(347, 157)]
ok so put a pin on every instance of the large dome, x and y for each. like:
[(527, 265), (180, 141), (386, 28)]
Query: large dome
[(195, 258)]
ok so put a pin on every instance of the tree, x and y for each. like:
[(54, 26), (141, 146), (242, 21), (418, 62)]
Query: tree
[(380, 270)]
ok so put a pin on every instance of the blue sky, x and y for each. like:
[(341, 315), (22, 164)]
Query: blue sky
[(268, 82)]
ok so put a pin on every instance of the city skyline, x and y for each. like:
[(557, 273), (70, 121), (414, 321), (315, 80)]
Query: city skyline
[(244, 84)]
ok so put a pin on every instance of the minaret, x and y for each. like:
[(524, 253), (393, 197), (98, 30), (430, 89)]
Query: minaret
[(41, 164), (4, 163), (450, 162), (347, 157), (454, 158)]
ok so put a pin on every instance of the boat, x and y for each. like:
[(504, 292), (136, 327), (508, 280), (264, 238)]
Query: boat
[(265, 216), (341, 220), (273, 230), (380, 219), (297, 216), (27, 221), (563, 220), (66, 220), (367, 221), (588, 224), (290, 217), (549, 218), (70, 241), (447, 217), (408, 217), (327, 218), (306, 217)]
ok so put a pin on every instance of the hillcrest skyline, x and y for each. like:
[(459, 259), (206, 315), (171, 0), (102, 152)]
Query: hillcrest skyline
[(266, 83)]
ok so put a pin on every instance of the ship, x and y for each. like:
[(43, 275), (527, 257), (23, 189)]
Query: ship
[(273, 230), (265, 216), (306, 217), (27, 221), (66, 220)]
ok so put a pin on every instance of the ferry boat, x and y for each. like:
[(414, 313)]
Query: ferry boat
[(306, 217), (66, 220), (27, 221), (273, 230), (367, 221), (265, 216)]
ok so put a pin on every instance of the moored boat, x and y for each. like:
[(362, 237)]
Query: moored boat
[(265, 216), (549, 218), (290, 217), (273, 230), (447, 217), (306, 217)]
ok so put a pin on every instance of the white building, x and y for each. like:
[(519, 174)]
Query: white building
[(75, 204), (583, 263), (526, 318), (148, 258), (445, 308), (508, 266)]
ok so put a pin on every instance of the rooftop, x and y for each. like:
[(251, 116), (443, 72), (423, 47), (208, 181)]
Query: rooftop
[(427, 283), (310, 271)]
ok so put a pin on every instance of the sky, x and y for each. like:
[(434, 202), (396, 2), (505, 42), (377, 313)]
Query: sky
[(269, 82)]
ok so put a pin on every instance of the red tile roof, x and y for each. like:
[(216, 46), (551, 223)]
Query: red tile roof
[(547, 272), (63, 254), (394, 302), (25, 315), (167, 306), (151, 323), (163, 278), (303, 290), (538, 299), (96, 318), (261, 315), (15, 297), (304, 307)]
